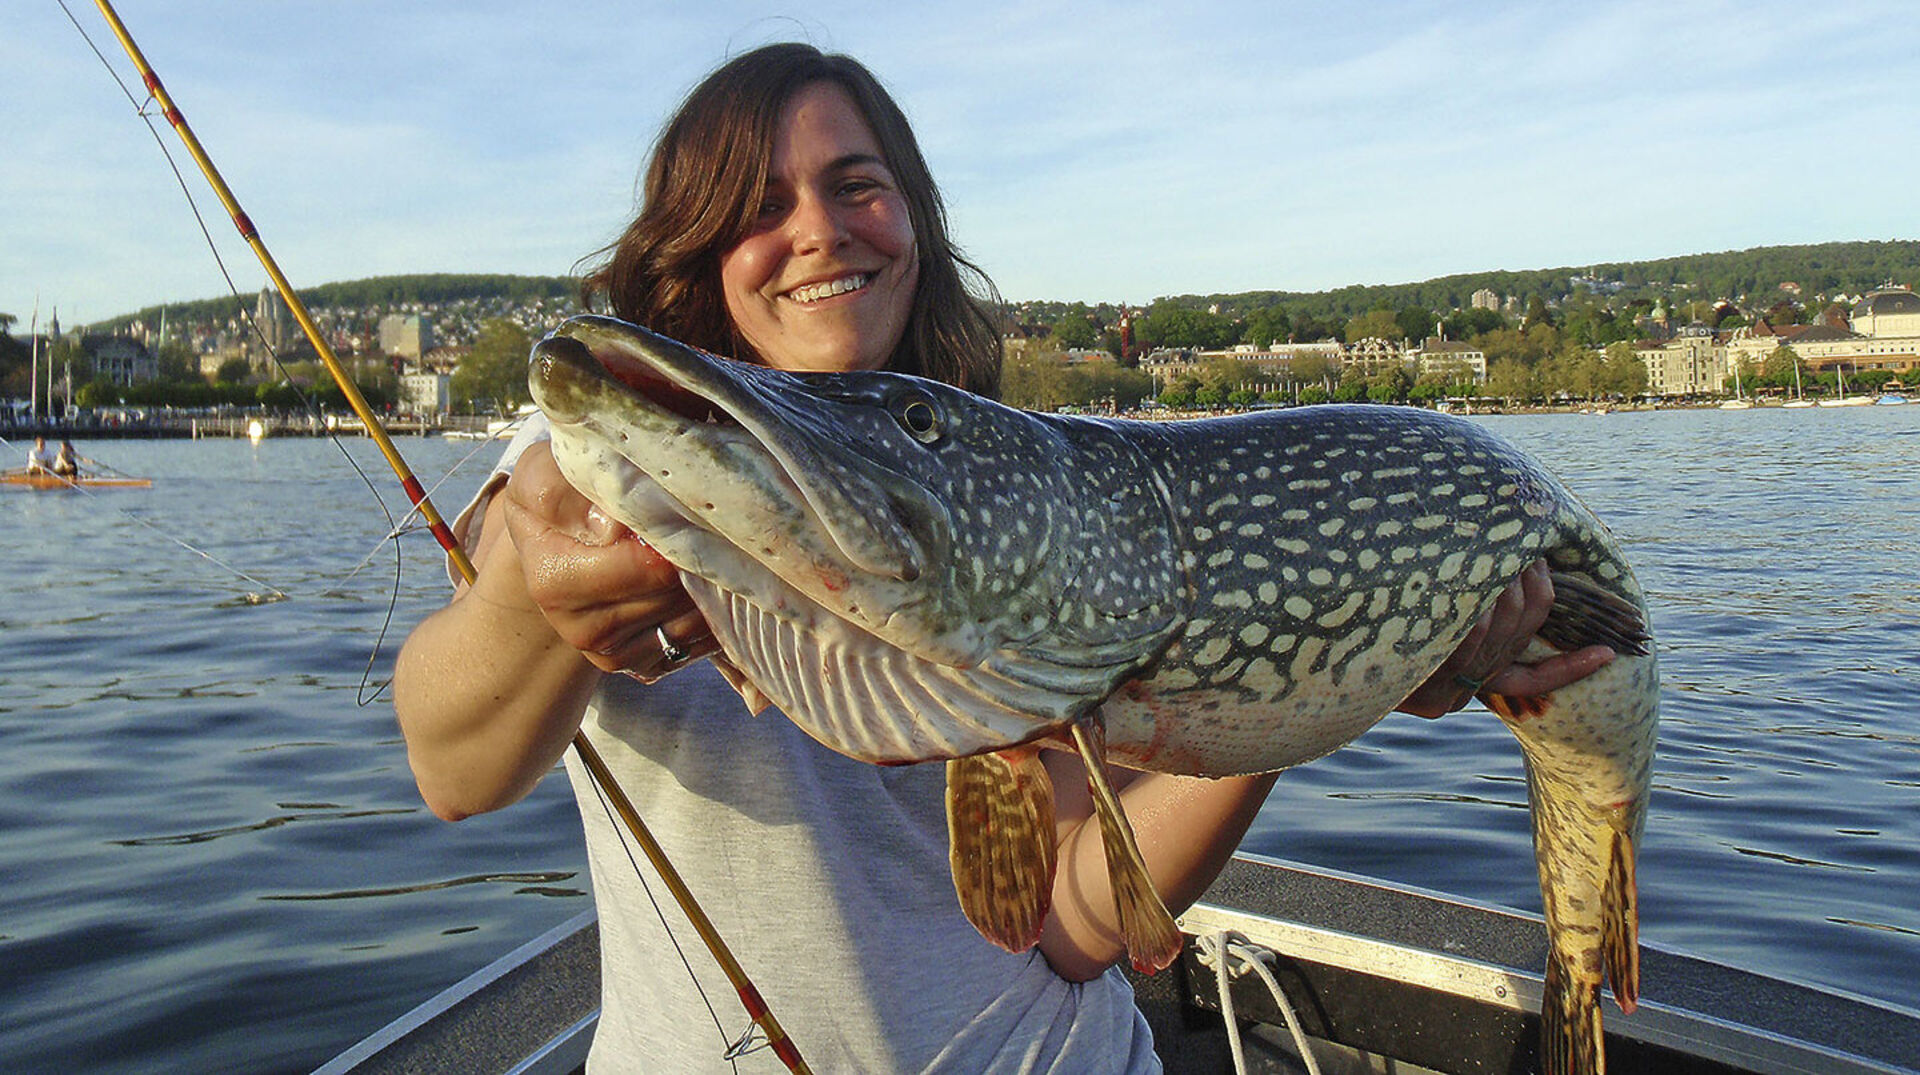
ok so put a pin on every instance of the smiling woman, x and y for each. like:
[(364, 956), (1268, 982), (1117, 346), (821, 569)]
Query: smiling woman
[(739, 169), (789, 217)]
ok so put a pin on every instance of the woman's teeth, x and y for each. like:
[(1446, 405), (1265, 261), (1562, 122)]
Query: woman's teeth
[(816, 292)]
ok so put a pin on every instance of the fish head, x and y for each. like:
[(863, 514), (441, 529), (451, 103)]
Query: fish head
[(880, 525)]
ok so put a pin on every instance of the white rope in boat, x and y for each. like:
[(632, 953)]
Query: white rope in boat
[(1220, 949)]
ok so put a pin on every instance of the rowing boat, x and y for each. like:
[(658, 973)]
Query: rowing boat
[(44, 480), (1374, 976)]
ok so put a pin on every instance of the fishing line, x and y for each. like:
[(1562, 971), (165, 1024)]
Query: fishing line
[(407, 524), (731, 1055), (273, 594), (368, 691)]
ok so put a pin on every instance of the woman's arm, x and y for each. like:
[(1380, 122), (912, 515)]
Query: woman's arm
[(491, 688), (1188, 827)]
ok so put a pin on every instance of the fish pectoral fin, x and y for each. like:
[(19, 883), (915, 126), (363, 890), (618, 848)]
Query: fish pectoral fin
[(1153, 940), (1584, 614), (1620, 939), (1001, 842)]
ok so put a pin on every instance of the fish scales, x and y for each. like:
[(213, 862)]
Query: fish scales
[(913, 573), (1333, 557)]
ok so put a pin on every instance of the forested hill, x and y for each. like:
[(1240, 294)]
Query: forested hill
[(391, 292), (1821, 269)]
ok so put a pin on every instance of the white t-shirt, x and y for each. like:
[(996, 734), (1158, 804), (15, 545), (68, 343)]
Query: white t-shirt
[(829, 881)]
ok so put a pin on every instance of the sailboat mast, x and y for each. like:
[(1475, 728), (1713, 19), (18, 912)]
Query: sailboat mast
[(33, 370)]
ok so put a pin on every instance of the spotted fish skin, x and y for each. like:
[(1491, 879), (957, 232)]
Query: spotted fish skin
[(1334, 556), (915, 573)]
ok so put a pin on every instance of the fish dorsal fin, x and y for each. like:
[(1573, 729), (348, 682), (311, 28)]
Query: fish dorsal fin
[(1584, 614), (1000, 838), (1153, 941)]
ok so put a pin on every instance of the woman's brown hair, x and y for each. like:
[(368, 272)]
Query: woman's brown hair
[(703, 188)]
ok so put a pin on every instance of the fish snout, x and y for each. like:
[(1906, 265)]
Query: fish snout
[(557, 371)]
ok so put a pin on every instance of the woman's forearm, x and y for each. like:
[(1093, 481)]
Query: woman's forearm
[(1187, 828), (487, 694)]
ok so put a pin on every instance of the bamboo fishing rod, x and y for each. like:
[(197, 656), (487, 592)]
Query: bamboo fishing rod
[(750, 997)]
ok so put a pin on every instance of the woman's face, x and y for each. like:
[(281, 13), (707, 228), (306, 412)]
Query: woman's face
[(825, 280)]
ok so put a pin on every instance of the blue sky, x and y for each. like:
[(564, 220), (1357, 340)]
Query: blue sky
[(1111, 152)]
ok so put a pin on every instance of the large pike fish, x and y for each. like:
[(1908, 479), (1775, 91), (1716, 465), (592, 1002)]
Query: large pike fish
[(914, 573)]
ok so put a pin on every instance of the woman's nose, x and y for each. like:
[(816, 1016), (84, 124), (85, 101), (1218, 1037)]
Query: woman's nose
[(816, 225)]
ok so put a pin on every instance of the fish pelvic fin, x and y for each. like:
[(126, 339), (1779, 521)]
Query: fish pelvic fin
[(1516, 707), (1153, 940), (1001, 843), (1620, 937), (1570, 1030)]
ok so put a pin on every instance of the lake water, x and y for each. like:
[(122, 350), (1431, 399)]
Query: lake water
[(214, 858)]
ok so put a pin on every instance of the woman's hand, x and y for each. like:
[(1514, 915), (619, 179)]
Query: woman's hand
[(602, 589), (1485, 660)]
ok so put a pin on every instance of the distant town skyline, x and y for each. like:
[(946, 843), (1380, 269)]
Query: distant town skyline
[(1118, 153)]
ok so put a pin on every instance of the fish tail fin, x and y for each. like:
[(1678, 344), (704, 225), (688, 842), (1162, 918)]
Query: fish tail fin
[(1153, 940), (1570, 1029), (1620, 938), (1001, 843)]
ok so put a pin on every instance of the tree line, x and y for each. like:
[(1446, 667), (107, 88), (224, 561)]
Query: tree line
[(377, 291)]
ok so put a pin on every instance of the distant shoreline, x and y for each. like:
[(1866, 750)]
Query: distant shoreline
[(218, 427)]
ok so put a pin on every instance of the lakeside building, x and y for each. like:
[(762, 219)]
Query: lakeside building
[(120, 359), (1453, 359), (1276, 363), (1273, 363), (425, 393), (1882, 334), (1372, 355), (1690, 364)]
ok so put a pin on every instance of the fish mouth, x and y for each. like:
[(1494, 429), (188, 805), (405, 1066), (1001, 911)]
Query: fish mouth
[(593, 366)]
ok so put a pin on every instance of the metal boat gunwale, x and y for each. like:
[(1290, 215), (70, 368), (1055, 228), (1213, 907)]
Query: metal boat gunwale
[(1376, 971)]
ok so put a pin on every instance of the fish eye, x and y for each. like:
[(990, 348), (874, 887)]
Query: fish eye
[(918, 417)]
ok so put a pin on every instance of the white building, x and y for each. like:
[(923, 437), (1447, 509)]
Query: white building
[(1689, 365), (425, 393), (1453, 359), (1889, 312), (1373, 354)]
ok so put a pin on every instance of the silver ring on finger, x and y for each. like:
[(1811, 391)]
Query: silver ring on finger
[(1470, 682), (669, 652)]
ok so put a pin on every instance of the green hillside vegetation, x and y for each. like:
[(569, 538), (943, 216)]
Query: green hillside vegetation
[(378, 291), (1564, 336)]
